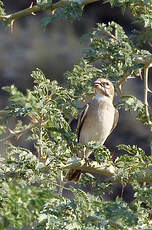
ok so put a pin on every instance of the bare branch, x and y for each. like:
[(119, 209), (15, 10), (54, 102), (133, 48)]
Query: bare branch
[(37, 8)]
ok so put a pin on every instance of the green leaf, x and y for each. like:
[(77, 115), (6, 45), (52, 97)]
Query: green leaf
[(2, 11), (47, 20), (71, 12), (130, 103), (133, 150), (44, 3)]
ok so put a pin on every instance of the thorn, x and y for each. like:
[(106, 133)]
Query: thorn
[(18, 136), (12, 26), (72, 144), (131, 77), (140, 74), (11, 131), (150, 44), (149, 107), (113, 154), (33, 118), (120, 89), (150, 91), (53, 12), (31, 5)]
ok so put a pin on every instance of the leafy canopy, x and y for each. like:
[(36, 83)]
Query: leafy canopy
[(32, 185)]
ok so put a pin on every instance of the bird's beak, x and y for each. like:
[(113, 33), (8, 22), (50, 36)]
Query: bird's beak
[(97, 84), (99, 87)]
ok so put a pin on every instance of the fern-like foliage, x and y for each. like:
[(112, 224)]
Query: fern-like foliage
[(32, 190)]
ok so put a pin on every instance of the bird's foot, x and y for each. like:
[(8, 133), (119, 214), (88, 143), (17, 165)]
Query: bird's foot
[(87, 160)]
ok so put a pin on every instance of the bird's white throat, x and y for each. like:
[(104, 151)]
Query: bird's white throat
[(100, 97)]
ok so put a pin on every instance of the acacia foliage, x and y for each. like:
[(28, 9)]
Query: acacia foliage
[(32, 179)]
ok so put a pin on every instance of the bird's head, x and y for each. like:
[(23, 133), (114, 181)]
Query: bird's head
[(104, 87)]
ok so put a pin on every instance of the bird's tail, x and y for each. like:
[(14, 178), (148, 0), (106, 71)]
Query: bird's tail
[(73, 175)]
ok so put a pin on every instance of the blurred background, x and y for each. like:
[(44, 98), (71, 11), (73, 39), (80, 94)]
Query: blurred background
[(56, 49)]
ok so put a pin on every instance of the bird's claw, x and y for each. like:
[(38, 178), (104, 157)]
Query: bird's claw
[(87, 160)]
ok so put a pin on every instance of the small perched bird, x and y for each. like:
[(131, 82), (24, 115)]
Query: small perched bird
[(96, 121)]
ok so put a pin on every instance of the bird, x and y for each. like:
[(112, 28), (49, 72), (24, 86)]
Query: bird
[(96, 121)]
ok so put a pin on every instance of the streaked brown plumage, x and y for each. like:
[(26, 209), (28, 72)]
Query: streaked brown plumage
[(96, 121)]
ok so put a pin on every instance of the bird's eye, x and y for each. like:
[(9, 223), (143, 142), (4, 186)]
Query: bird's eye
[(107, 83)]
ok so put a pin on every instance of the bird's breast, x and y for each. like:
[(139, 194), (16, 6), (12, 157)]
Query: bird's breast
[(98, 123)]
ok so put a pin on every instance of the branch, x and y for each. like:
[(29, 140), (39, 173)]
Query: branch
[(38, 8), (15, 133), (120, 83), (93, 167), (4, 112), (146, 90), (142, 5), (103, 169), (109, 222), (147, 62)]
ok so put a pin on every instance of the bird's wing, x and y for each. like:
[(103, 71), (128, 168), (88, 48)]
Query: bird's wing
[(81, 119), (116, 117)]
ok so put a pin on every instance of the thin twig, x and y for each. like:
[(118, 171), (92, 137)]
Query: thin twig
[(4, 112), (12, 26), (15, 133), (146, 90), (145, 60), (115, 225), (40, 139), (122, 81), (110, 222), (37, 8), (61, 183)]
